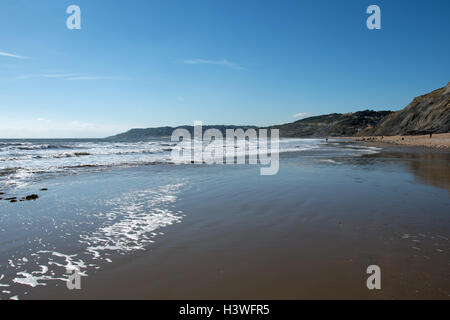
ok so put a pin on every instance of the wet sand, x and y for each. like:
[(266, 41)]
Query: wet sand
[(438, 141), (307, 233)]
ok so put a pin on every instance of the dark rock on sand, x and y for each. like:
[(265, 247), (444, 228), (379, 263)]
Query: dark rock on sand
[(13, 200), (32, 197), (44, 189), (9, 199)]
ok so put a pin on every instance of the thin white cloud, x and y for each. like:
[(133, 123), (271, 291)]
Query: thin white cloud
[(10, 55), (41, 120), (90, 78), (67, 76), (224, 63), (301, 115), (24, 77), (62, 75), (82, 125), (47, 76), (83, 78)]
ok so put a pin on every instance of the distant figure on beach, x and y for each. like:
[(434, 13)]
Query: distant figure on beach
[(326, 139), (431, 134)]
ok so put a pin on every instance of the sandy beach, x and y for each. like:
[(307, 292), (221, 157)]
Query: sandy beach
[(438, 141), (226, 232)]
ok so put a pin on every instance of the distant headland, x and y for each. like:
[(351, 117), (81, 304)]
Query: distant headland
[(426, 114)]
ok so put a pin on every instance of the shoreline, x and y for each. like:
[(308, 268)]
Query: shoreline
[(439, 141), (172, 242), (277, 226)]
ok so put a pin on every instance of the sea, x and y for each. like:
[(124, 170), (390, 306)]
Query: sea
[(133, 225), (25, 161)]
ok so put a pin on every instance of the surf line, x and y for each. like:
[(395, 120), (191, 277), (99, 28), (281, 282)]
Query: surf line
[(207, 146)]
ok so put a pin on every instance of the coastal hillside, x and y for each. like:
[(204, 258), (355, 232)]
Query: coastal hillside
[(333, 125), (148, 133), (429, 113)]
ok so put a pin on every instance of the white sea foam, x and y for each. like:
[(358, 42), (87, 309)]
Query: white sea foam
[(329, 161), (135, 218), (66, 262), (29, 280), (132, 224), (22, 162), (70, 263), (1, 284)]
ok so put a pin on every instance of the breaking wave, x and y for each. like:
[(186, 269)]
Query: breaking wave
[(23, 161)]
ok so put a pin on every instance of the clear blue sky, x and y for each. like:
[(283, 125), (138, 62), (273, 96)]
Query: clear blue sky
[(146, 63)]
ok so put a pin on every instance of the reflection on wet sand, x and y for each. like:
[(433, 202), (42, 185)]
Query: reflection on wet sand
[(428, 167)]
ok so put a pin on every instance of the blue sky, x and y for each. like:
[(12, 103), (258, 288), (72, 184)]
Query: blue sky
[(146, 63)]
